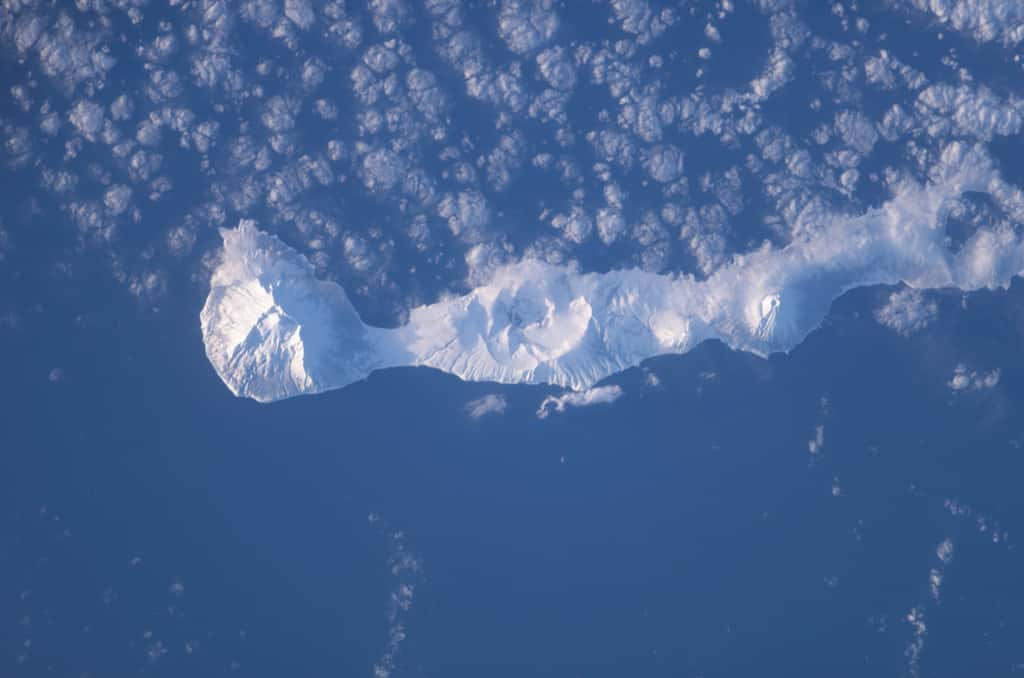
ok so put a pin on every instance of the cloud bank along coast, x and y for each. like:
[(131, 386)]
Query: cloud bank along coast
[(273, 331)]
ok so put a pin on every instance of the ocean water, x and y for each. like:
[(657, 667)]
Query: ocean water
[(153, 523)]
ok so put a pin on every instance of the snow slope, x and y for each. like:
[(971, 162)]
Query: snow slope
[(272, 330)]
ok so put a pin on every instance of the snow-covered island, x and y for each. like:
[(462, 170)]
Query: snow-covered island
[(272, 330)]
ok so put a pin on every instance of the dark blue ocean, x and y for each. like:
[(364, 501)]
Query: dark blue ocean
[(154, 524)]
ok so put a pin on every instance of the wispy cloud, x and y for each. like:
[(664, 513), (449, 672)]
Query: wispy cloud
[(593, 396), (492, 403)]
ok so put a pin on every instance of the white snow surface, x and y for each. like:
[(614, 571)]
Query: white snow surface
[(272, 330)]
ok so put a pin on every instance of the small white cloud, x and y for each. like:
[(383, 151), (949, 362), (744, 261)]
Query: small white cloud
[(907, 312), (389, 14), (381, 170), (300, 12), (944, 552), (857, 131), (610, 224), (665, 163), (593, 396), (817, 443), (122, 108), (557, 68), (970, 380), (180, 240), (117, 199), (87, 117), (935, 582), (467, 214), (279, 114), (575, 226), (491, 403)]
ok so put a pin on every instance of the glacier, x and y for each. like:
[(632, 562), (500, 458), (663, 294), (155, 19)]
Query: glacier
[(272, 330)]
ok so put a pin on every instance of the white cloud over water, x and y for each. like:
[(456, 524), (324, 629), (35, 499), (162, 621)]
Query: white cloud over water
[(491, 403), (599, 395)]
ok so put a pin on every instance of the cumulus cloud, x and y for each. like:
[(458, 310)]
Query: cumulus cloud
[(575, 226), (388, 15), (639, 18), (381, 170), (856, 131), (87, 117), (944, 551), (665, 163), (525, 25), (610, 224), (117, 198), (492, 403), (279, 113), (300, 12), (907, 311), (969, 111), (595, 396), (557, 68), (965, 379), (983, 20), (467, 214)]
